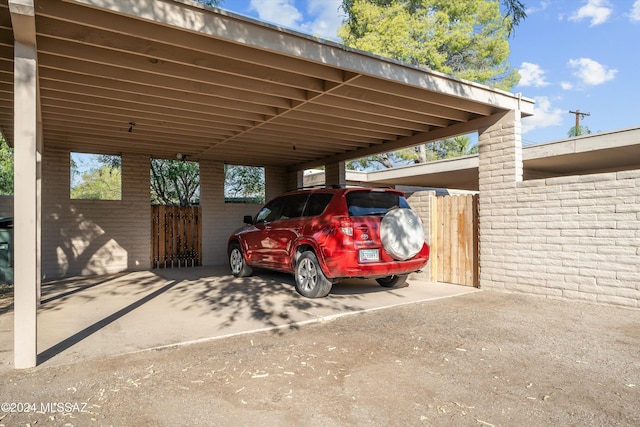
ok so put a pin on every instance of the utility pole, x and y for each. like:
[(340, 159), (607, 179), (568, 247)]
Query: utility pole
[(579, 114)]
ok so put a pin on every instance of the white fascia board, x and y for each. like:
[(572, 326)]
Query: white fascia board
[(440, 166), (584, 143)]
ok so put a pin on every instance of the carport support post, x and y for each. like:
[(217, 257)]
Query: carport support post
[(27, 144), (295, 179), (335, 174), (500, 170)]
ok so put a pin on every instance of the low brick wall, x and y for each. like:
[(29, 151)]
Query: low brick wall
[(84, 237), (566, 237), (420, 201), (575, 237)]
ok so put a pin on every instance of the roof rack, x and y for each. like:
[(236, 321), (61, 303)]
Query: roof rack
[(319, 186)]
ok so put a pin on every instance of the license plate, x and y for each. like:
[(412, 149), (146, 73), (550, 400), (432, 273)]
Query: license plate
[(368, 255)]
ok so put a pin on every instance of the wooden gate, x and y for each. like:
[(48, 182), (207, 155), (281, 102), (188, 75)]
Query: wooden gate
[(176, 236), (454, 239)]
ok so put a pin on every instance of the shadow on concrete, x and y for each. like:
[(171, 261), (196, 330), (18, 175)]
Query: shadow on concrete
[(268, 297), (97, 316), (63, 288), (266, 300), (89, 330)]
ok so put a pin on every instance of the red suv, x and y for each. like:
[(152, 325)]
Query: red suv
[(325, 235)]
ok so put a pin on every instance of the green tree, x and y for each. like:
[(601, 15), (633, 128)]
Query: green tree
[(464, 38), (6, 168), (210, 2), (578, 130), (450, 148), (96, 176), (438, 150), (102, 183), (174, 182), (244, 182)]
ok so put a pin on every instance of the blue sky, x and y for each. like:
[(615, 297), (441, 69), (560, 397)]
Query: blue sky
[(572, 55)]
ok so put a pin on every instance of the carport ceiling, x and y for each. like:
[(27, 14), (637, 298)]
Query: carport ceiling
[(214, 85)]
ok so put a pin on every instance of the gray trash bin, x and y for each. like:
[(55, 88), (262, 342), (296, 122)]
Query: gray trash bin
[(6, 250)]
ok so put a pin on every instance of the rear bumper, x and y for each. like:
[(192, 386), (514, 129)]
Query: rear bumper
[(346, 264)]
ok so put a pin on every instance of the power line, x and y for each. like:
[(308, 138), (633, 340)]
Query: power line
[(579, 115)]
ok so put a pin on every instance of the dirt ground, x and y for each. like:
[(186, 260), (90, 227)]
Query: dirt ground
[(480, 359)]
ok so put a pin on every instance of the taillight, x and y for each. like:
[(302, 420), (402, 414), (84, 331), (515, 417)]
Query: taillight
[(346, 226)]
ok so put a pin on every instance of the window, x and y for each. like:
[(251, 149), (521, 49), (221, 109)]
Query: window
[(244, 184), (293, 206), (175, 182), (363, 203), (271, 211), (96, 177), (317, 203)]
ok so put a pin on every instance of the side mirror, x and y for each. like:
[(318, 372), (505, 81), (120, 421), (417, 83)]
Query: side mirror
[(248, 219)]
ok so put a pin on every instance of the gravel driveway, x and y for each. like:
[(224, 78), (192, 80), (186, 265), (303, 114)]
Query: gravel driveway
[(478, 359)]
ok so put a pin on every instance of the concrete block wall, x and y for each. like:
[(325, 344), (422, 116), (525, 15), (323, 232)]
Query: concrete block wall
[(577, 237), (420, 201), (220, 218), (277, 181), (83, 237), (567, 237)]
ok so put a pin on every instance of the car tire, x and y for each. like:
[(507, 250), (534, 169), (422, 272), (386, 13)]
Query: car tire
[(239, 266), (401, 233), (310, 280), (398, 281)]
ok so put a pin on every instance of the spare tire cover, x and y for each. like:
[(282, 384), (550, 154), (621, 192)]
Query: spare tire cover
[(401, 233)]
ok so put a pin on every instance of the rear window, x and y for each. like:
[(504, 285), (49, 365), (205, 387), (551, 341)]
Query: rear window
[(362, 203)]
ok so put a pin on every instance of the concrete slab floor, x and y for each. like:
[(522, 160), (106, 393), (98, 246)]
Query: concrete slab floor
[(85, 318)]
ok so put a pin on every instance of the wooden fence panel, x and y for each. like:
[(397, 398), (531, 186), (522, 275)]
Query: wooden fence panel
[(454, 239), (176, 236)]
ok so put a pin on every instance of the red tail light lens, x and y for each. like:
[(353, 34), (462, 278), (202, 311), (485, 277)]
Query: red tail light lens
[(346, 226)]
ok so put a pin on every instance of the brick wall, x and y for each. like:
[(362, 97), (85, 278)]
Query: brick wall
[(219, 219), (81, 237), (420, 201), (574, 237), (568, 237)]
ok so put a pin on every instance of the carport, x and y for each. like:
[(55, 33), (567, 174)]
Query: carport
[(154, 78)]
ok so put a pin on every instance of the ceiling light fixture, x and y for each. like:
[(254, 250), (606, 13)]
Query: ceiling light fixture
[(131, 126)]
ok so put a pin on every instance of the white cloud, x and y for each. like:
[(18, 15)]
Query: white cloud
[(591, 72), (531, 75), (533, 9), (634, 15), (566, 85), (597, 11), (282, 12), (323, 17), (544, 115), (327, 18)]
